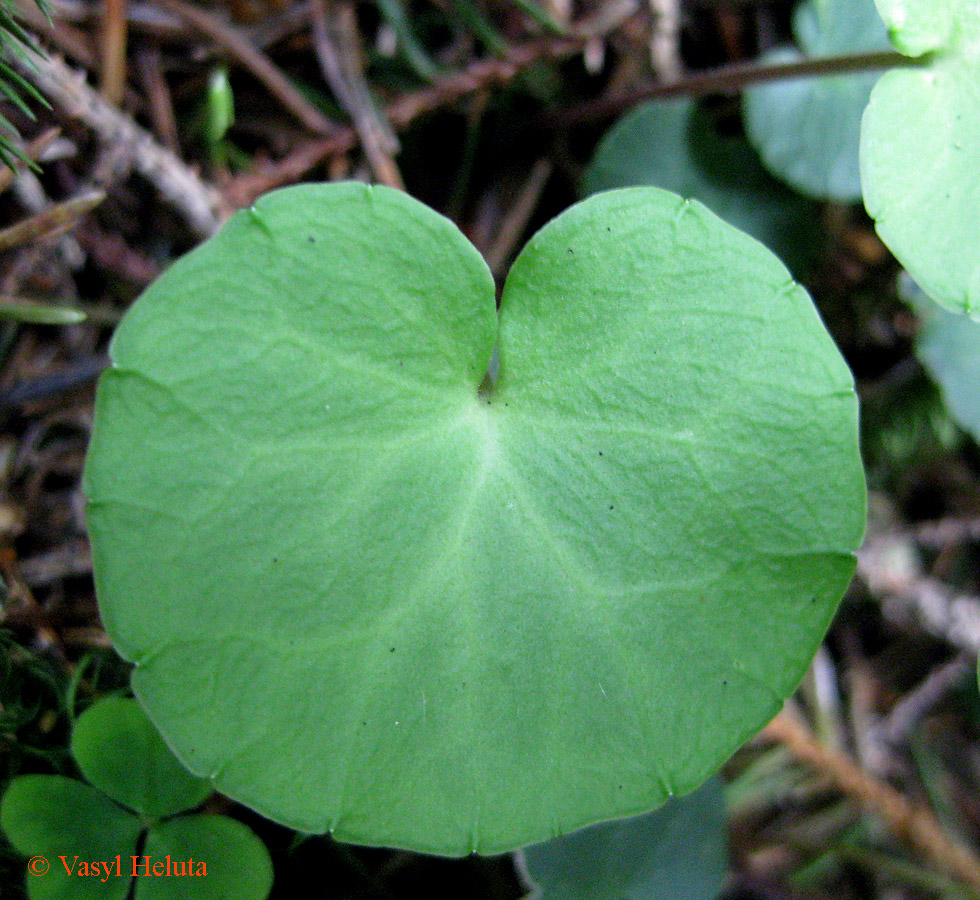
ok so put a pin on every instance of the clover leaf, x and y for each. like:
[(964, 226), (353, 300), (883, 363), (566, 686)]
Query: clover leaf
[(679, 851), (807, 130), (920, 148), (95, 840), (674, 144), (370, 590)]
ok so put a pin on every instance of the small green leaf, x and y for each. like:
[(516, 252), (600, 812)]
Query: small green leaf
[(211, 858), (948, 345), (674, 145), (120, 752), (40, 313), (807, 130), (219, 112), (920, 149), (368, 596), (54, 817), (679, 852)]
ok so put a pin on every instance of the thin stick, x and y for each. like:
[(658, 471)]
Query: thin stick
[(732, 78), (238, 47), (913, 823), (515, 221), (916, 705), (114, 50), (337, 44), (150, 70), (57, 219)]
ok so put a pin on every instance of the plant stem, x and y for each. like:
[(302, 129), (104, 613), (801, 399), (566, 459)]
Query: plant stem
[(732, 78)]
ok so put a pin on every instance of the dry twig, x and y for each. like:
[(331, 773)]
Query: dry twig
[(515, 221), (56, 219), (897, 729), (161, 109), (114, 50), (912, 823), (337, 44)]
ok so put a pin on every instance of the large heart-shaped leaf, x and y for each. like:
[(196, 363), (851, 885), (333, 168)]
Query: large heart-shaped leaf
[(367, 596), (807, 130), (920, 149)]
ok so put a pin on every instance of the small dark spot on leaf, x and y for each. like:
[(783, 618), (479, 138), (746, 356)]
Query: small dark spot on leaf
[(570, 250), (464, 684), (392, 650), (275, 559), (611, 506), (608, 228), (725, 682), (311, 239), (600, 453)]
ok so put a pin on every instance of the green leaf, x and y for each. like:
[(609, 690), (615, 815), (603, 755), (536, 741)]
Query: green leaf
[(948, 346), (674, 145), (920, 149), (807, 130), (120, 752), (53, 816), (679, 852), (210, 858), (368, 597)]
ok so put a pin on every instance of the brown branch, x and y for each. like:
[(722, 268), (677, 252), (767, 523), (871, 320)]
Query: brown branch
[(114, 50), (238, 47), (730, 79), (514, 222), (911, 822), (149, 67)]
